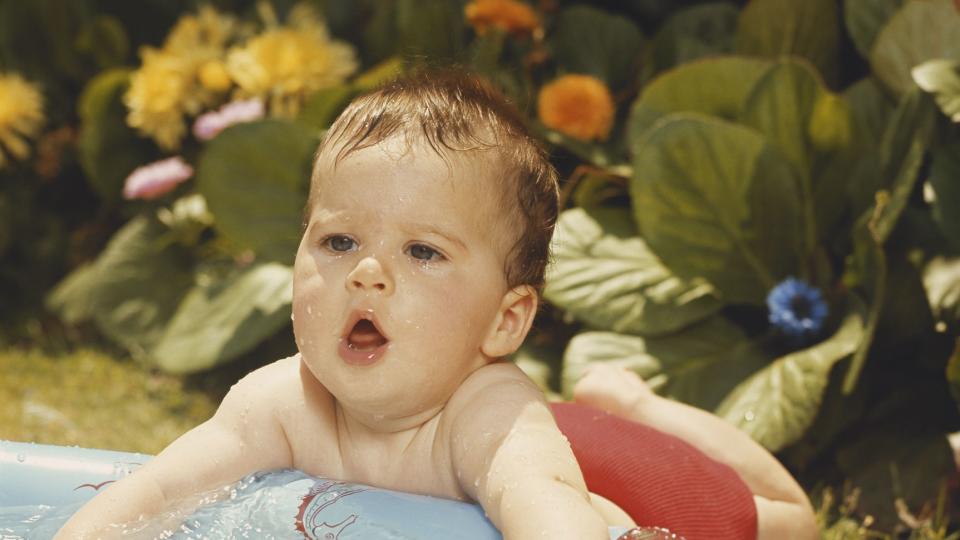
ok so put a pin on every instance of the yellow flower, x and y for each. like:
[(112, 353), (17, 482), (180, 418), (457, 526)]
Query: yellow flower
[(509, 15), (184, 77), (285, 64), (21, 116), (577, 105)]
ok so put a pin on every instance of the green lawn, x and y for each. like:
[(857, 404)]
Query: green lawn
[(88, 398)]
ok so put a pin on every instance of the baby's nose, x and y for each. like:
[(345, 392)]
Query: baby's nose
[(369, 275)]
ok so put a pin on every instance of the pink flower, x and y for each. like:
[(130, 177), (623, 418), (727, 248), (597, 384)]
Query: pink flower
[(153, 180), (209, 124)]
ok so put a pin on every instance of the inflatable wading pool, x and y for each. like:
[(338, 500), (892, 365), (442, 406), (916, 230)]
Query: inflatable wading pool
[(41, 486)]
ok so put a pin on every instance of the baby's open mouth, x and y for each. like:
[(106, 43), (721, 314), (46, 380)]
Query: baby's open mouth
[(364, 336)]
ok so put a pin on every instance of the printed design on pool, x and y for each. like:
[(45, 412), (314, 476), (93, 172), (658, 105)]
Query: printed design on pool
[(313, 522)]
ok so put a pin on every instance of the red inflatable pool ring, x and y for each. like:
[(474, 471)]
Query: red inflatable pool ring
[(658, 479)]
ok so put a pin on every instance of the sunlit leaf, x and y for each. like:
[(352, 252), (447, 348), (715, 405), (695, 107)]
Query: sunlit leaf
[(776, 405), (714, 200), (698, 365), (217, 322), (606, 276), (133, 288), (941, 78), (714, 86)]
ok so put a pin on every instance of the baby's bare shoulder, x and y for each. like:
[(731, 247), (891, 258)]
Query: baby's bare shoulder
[(267, 389), (492, 395)]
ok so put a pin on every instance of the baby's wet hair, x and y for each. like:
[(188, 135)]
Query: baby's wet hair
[(456, 112)]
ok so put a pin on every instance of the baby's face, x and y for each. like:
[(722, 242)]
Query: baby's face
[(398, 279)]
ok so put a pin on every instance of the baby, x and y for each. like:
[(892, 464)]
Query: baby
[(427, 230)]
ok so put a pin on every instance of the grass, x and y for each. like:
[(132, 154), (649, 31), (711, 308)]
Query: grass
[(89, 399)]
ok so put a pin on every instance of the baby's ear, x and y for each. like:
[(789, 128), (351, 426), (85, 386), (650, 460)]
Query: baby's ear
[(514, 318)]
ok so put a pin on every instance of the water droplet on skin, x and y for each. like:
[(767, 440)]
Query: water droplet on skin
[(749, 416), (309, 310), (292, 316)]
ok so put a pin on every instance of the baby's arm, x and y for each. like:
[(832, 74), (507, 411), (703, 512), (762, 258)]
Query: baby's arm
[(783, 509), (510, 456), (242, 437)]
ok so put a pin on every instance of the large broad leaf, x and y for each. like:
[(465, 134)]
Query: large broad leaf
[(945, 179), (714, 86), (865, 19), (781, 105), (693, 33), (775, 28), (699, 365), (606, 276), (255, 178), (919, 31), (133, 289), (776, 405), (810, 125), (591, 41), (714, 200), (107, 148), (219, 321)]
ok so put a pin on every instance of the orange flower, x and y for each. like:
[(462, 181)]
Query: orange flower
[(510, 15), (577, 105)]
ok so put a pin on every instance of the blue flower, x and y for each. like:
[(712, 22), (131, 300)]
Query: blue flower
[(797, 309)]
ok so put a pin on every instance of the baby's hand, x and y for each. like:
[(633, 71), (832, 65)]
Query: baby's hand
[(611, 388)]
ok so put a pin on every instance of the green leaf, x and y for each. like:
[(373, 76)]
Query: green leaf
[(865, 19), (918, 32), (109, 150), (776, 28), (606, 276), (255, 177), (324, 106), (714, 86), (132, 289), (870, 110), (941, 78), (945, 180), (776, 405), (695, 32), (714, 200), (792, 107), (699, 365), (593, 42), (781, 105), (899, 157), (430, 28), (219, 321)]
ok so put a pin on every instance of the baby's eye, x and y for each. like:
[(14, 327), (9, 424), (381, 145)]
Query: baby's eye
[(424, 253), (340, 243)]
